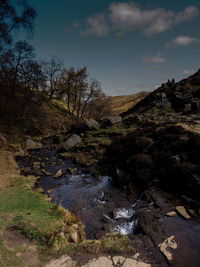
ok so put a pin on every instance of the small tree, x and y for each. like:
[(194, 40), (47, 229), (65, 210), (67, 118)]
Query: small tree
[(53, 69)]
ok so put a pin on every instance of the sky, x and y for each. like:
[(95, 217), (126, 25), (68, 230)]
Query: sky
[(129, 46)]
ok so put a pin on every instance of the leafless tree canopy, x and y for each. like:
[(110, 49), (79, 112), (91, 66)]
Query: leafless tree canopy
[(13, 15)]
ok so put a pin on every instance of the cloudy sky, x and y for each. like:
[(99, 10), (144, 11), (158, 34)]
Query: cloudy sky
[(129, 46)]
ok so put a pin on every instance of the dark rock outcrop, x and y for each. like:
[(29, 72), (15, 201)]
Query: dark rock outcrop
[(166, 156)]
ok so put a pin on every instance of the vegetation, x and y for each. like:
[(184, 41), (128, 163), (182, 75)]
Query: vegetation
[(22, 209), (111, 244), (121, 104), (94, 143)]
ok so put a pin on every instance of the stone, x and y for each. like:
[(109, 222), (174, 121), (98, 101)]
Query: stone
[(109, 121), (143, 264), (72, 170), (58, 174), (130, 263), (92, 124), (193, 213), (187, 107), (20, 153), (64, 261), (32, 145), (167, 247), (181, 210), (171, 214), (71, 142), (74, 237), (100, 262), (118, 260), (136, 256)]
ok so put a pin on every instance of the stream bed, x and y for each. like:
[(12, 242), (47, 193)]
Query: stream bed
[(158, 238), (100, 206)]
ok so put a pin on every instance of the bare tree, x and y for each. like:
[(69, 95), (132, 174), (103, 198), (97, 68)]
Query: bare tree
[(12, 62), (91, 94), (53, 69), (14, 14)]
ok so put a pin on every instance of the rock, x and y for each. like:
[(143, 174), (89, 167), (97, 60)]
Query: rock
[(71, 170), (71, 142), (171, 214), (118, 260), (167, 247), (100, 262), (187, 107), (143, 264), (32, 145), (74, 237), (181, 210), (99, 234), (58, 174), (20, 153), (193, 213), (130, 263), (64, 261), (92, 124), (109, 121), (136, 256)]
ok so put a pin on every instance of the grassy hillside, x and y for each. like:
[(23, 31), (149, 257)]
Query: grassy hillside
[(123, 103)]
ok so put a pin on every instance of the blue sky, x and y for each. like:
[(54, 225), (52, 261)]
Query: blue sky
[(129, 46)]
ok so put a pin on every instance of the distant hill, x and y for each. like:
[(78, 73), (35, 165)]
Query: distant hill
[(121, 104), (182, 96)]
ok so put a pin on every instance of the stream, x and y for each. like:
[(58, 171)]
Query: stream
[(100, 206), (103, 209)]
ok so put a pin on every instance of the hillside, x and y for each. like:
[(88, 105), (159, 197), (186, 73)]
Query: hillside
[(123, 103), (182, 96)]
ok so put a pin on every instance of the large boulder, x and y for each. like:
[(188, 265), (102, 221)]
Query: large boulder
[(92, 125), (32, 145), (71, 142), (110, 121)]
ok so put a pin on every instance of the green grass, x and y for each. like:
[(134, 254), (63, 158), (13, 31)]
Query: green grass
[(35, 217), (27, 206), (111, 244)]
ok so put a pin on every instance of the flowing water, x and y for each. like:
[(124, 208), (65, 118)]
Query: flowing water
[(101, 207)]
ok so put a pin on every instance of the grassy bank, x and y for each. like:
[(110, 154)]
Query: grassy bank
[(27, 212)]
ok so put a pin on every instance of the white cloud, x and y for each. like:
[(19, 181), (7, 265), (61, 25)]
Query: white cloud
[(157, 59), (129, 16), (188, 72), (96, 25), (182, 41)]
